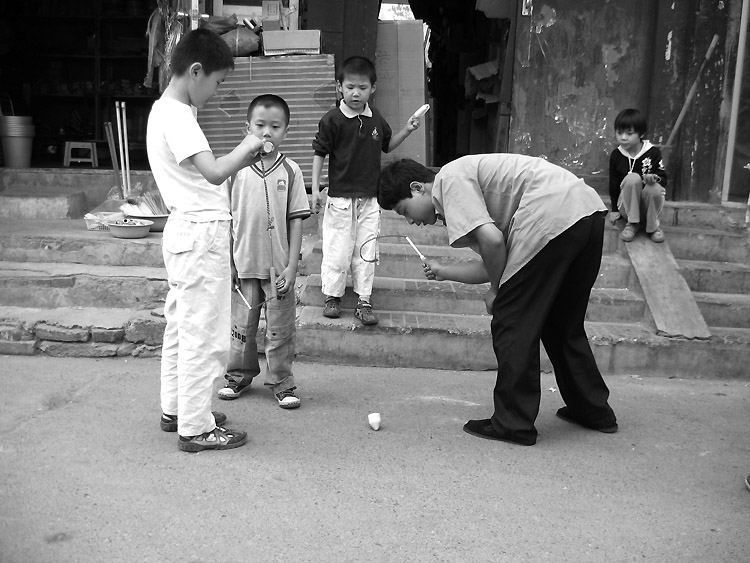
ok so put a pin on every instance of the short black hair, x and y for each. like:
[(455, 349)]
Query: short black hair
[(357, 65), (631, 119), (269, 101), (395, 181), (200, 46)]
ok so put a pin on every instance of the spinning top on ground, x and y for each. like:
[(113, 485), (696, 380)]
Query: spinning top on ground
[(374, 420)]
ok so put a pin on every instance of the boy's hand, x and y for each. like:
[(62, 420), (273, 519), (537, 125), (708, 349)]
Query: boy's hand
[(413, 124), (651, 179), (613, 216), (285, 282), (433, 271), (318, 201), (489, 299), (252, 143)]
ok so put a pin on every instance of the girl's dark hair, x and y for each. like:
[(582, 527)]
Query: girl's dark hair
[(395, 181), (357, 65), (204, 47), (269, 101), (631, 119)]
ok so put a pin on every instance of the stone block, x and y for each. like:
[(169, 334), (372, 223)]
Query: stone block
[(107, 334), (77, 350), (18, 347), (148, 331), (46, 331)]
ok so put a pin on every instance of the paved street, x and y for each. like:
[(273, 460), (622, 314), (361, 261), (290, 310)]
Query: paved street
[(87, 476)]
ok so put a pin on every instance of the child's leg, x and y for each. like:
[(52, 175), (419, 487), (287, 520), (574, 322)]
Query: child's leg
[(629, 203), (652, 202), (367, 226), (243, 353), (169, 357), (197, 259), (337, 245), (279, 342)]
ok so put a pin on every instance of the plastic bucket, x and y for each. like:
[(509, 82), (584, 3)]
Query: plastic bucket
[(17, 150)]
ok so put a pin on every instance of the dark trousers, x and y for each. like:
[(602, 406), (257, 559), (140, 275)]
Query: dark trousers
[(547, 300)]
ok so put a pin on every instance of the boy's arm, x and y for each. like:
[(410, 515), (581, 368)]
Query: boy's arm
[(494, 255), (474, 272), (317, 168), (217, 170), (289, 275)]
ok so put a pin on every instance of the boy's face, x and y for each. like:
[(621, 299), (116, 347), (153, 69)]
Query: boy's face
[(356, 90), (204, 86), (417, 209), (268, 124), (628, 139)]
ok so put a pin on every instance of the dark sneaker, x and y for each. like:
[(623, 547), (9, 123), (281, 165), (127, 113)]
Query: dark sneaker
[(364, 313), (565, 414), (288, 399), (332, 308), (747, 482), (218, 439), (169, 421), (233, 389)]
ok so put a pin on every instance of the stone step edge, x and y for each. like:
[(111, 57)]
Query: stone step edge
[(461, 291), (10, 269)]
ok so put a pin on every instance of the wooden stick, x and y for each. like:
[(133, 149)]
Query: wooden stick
[(119, 140), (692, 92), (113, 153), (127, 147)]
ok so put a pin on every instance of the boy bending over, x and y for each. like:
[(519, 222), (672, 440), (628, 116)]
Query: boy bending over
[(539, 231)]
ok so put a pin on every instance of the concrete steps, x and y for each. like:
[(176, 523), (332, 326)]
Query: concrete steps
[(68, 291), (57, 193)]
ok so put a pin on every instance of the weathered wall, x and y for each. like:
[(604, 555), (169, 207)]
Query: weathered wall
[(579, 62)]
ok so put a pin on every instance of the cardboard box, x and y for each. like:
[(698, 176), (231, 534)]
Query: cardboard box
[(299, 42), (400, 65)]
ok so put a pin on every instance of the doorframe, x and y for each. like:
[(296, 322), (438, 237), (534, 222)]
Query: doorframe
[(736, 90)]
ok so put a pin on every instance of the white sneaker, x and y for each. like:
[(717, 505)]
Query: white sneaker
[(287, 399)]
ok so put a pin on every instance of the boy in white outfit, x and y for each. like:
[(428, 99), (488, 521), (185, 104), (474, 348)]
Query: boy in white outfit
[(195, 244), (352, 136)]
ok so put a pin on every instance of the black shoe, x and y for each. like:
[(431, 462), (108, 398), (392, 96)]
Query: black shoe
[(169, 421), (747, 482), (484, 429), (565, 414), (332, 308)]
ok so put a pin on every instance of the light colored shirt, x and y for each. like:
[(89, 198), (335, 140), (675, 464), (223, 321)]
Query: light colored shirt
[(529, 199), (287, 200), (172, 137)]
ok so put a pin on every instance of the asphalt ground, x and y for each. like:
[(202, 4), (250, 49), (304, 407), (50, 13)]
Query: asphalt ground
[(86, 475)]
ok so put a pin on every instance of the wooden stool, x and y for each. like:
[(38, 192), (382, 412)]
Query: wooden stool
[(89, 146)]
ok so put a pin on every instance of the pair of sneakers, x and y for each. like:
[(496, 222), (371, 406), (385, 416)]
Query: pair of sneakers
[(363, 311), (628, 233), (287, 398)]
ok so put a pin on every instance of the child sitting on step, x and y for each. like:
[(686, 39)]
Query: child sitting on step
[(637, 178)]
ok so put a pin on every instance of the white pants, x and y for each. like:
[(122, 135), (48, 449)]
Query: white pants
[(197, 309), (347, 224)]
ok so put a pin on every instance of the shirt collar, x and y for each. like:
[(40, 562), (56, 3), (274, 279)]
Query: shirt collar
[(350, 113)]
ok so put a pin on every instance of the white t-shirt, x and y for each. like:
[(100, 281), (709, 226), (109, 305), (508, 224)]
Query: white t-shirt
[(172, 137), (529, 199)]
